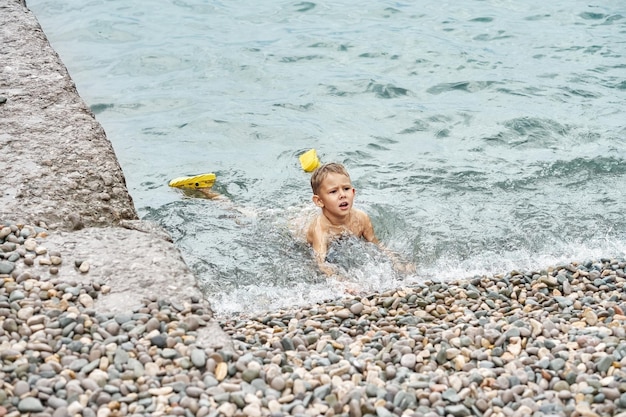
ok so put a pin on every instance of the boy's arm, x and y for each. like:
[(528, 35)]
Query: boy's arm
[(368, 229), (317, 239), (370, 236)]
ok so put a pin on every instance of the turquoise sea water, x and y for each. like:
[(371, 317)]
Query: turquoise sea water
[(482, 136)]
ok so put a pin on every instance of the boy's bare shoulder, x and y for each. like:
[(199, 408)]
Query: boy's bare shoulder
[(361, 215), (315, 222), (315, 228)]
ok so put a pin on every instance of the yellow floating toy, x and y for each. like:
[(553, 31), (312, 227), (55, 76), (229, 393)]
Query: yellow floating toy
[(197, 181), (309, 160)]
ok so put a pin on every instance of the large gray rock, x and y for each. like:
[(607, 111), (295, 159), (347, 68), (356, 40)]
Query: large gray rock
[(56, 163), (59, 171)]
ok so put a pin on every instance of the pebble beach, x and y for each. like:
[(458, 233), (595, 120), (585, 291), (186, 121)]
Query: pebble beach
[(524, 343)]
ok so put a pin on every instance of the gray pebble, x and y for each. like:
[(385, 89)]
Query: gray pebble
[(30, 405)]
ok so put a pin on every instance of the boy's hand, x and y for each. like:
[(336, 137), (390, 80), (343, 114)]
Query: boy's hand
[(404, 267), (397, 263), (332, 272), (327, 268)]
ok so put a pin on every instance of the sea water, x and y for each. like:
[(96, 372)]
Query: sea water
[(481, 136)]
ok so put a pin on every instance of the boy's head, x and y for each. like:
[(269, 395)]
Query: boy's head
[(318, 176)]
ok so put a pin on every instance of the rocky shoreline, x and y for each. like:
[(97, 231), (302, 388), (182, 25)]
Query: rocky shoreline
[(547, 342)]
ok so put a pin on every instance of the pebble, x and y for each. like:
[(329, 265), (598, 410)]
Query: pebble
[(548, 342), (30, 405)]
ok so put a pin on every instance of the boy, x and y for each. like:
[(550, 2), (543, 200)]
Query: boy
[(334, 194)]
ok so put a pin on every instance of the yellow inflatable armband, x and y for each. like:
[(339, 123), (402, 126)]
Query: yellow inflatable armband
[(197, 181), (309, 160)]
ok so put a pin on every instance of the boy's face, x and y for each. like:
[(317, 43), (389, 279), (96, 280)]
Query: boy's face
[(335, 194)]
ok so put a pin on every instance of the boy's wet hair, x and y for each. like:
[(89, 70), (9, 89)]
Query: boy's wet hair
[(322, 172)]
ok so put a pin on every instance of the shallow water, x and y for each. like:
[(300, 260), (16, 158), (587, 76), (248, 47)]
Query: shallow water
[(482, 136)]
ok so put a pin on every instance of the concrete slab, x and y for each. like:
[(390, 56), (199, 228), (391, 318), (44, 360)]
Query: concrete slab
[(59, 172)]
